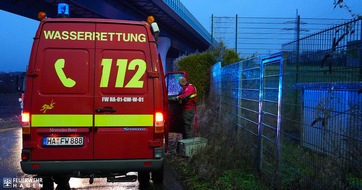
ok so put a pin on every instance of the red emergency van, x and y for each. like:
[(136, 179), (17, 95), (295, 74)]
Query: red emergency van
[(95, 101)]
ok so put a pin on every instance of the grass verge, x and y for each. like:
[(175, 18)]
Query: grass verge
[(223, 164)]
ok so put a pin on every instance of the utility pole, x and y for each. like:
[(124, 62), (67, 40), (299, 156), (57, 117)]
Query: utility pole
[(236, 33), (298, 42), (212, 29), (297, 62)]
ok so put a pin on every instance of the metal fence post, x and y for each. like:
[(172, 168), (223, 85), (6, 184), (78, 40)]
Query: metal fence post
[(279, 120), (260, 119), (274, 59), (360, 49)]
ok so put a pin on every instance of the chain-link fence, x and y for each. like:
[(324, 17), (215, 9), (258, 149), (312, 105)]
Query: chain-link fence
[(250, 36), (301, 109)]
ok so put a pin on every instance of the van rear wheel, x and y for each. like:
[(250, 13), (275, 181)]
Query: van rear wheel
[(157, 176), (143, 177)]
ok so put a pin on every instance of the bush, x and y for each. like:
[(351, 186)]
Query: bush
[(198, 67)]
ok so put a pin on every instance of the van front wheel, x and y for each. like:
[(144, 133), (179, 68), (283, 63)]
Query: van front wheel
[(143, 177), (62, 182), (48, 183)]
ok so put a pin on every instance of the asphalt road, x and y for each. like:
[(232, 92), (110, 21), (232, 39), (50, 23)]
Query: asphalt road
[(13, 178)]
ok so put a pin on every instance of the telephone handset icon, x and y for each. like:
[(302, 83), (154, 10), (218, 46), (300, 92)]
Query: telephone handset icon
[(67, 82)]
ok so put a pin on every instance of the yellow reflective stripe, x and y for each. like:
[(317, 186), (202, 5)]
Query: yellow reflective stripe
[(193, 95), (61, 120), (67, 120), (123, 120)]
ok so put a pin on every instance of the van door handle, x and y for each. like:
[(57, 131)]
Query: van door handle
[(105, 109)]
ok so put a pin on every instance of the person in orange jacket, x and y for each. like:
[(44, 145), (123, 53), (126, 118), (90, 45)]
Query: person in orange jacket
[(188, 99)]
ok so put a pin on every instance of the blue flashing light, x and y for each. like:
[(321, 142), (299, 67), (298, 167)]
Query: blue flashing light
[(63, 10)]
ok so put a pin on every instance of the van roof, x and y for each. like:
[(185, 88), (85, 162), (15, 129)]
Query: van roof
[(93, 20)]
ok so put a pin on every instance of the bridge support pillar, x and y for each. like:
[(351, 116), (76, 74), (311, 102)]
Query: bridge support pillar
[(164, 45)]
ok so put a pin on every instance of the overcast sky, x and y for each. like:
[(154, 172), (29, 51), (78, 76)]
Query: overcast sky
[(16, 32)]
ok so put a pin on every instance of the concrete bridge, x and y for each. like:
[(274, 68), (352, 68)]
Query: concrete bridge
[(180, 31)]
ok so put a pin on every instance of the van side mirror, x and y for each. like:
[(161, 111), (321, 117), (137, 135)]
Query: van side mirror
[(20, 82), (155, 29)]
